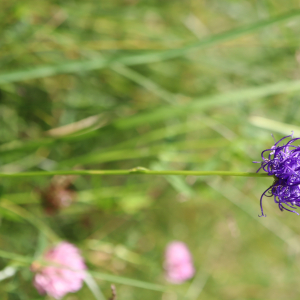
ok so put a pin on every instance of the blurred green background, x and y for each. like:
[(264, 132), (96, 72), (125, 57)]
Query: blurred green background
[(191, 85)]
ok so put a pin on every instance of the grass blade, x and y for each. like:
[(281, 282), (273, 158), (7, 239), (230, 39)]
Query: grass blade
[(102, 276), (209, 101), (129, 281), (274, 125), (7, 272), (26, 215), (16, 257), (99, 63), (117, 155), (92, 285), (145, 83)]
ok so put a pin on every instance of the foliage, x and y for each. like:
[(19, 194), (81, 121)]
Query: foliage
[(184, 85)]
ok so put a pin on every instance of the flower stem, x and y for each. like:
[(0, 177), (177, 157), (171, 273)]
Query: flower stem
[(137, 170)]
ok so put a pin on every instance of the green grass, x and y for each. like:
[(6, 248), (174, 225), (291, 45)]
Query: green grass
[(164, 85)]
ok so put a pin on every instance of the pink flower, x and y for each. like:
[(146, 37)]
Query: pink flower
[(57, 281), (178, 263)]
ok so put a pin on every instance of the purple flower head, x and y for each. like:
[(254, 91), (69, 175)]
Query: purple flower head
[(66, 273), (283, 162), (178, 263)]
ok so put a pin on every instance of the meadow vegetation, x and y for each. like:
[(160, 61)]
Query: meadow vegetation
[(165, 85)]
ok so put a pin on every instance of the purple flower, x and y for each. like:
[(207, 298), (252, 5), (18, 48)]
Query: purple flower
[(56, 281), (283, 162), (178, 263)]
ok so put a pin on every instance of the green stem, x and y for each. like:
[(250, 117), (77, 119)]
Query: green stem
[(137, 170)]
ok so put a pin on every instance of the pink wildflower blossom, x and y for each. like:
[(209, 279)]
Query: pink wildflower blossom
[(178, 263), (57, 281)]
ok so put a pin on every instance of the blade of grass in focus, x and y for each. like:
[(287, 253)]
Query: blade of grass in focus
[(80, 66), (178, 183), (133, 171)]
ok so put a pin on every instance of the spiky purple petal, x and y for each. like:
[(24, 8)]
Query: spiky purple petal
[(283, 162)]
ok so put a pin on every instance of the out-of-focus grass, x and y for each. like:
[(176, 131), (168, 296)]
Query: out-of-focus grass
[(162, 84)]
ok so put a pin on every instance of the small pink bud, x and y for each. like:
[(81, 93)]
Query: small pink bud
[(178, 263), (55, 280)]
